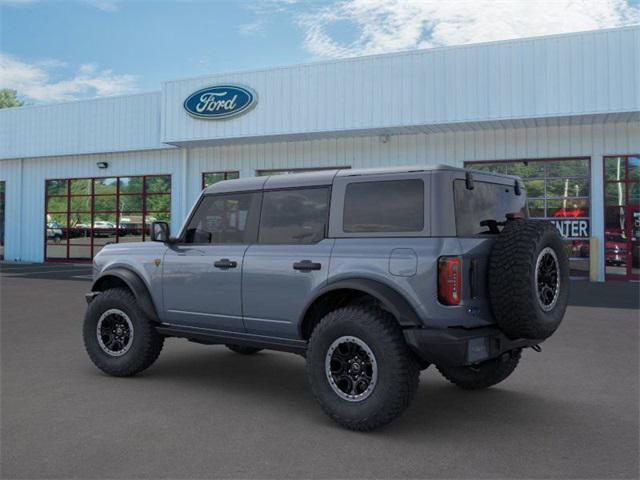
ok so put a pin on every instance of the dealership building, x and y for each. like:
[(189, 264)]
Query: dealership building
[(561, 111)]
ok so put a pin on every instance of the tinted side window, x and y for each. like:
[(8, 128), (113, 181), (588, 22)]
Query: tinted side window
[(221, 219), (487, 201), (294, 216), (387, 206)]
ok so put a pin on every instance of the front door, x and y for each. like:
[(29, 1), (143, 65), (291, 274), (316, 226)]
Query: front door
[(622, 217), (290, 260), (202, 273)]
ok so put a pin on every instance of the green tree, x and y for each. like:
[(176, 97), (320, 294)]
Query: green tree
[(8, 98)]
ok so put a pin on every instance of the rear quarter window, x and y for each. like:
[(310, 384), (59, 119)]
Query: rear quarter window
[(487, 201), (384, 206)]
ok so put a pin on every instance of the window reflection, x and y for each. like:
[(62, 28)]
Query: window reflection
[(209, 178), (83, 215), (557, 190), (622, 215)]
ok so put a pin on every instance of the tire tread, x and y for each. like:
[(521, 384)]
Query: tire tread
[(147, 352), (386, 330)]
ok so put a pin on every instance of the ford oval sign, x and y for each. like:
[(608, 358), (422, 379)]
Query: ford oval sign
[(220, 102)]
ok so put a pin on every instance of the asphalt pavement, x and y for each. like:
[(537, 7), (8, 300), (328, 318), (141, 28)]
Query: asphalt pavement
[(571, 411)]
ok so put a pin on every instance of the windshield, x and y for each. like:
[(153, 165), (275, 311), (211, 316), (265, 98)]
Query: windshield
[(487, 201)]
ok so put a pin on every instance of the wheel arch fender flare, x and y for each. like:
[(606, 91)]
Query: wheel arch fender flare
[(135, 283), (393, 301)]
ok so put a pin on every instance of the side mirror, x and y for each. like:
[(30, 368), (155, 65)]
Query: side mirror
[(160, 232)]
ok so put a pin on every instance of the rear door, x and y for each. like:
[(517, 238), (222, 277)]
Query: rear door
[(202, 274), (290, 260)]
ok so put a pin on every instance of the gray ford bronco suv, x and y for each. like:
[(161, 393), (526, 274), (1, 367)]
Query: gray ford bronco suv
[(372, 275)]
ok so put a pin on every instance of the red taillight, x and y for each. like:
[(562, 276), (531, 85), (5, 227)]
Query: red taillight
[(449, 280)]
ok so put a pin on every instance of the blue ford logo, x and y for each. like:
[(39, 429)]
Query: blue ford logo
[(220, 101)]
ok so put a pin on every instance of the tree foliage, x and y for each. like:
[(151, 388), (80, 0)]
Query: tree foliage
[(8, 98)]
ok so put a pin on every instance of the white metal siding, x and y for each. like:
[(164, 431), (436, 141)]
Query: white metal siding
[(112, 124), (25, 192), (11, 174), (593, 73), (26, 179)]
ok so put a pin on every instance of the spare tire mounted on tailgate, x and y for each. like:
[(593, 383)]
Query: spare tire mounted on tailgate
[(528, 279)]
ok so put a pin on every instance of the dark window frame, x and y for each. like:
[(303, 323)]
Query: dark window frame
[(92, 246), (627, 208), (225, 173)]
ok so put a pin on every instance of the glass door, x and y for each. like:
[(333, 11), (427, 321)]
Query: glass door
[(622, 217), (85, 214)]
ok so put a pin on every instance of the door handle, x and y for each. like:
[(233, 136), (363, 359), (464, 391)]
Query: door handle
[(225, 263), (306, 265)]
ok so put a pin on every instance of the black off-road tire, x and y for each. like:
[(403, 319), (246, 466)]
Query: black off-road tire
[(242, 349), (513, 291), (483, 375), (398, 372), (145, 345)]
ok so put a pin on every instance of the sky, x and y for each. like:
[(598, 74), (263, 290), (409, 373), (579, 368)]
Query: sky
[(54, 50)]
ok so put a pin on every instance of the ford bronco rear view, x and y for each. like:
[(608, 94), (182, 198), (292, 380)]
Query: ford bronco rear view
[(372, 275)]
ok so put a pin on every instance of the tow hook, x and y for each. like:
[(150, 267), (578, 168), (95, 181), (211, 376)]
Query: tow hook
[(536, 348)]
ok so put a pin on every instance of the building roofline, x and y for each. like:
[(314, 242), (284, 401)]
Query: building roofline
[(416, 51), (82, 100), (331, 62)]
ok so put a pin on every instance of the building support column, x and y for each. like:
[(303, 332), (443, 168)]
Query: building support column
[(184, 189), (18, 250), (597, 212)]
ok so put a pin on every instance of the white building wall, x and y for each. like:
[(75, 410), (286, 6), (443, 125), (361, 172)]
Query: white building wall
[(592, 73), (25, 190), (591, 140), (11, 174), (125, 123), (24, 239)]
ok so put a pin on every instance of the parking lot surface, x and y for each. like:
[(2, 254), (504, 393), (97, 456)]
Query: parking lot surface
[(203, 411)]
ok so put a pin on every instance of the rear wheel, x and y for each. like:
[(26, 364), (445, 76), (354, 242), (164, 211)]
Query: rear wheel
[(242, 349), (361, 371), (119, 338), (484, 375)]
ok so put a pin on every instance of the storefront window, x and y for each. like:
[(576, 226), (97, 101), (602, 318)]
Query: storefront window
[(557, 190), (83, 215), (622, 216), (209, 178)]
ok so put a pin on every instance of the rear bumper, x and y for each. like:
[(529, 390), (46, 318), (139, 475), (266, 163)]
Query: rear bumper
[(454, 347)]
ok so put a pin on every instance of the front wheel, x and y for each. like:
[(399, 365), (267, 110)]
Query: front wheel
[(361, 371), (118, 336), (484, 375)]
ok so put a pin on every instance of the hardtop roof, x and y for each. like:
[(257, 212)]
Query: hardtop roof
[(326, 177)]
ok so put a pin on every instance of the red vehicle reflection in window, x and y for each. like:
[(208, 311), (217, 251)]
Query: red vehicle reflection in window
[(570, 213), (615, 247)]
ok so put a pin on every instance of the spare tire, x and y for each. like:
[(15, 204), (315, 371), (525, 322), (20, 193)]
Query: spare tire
[(528, 279)]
